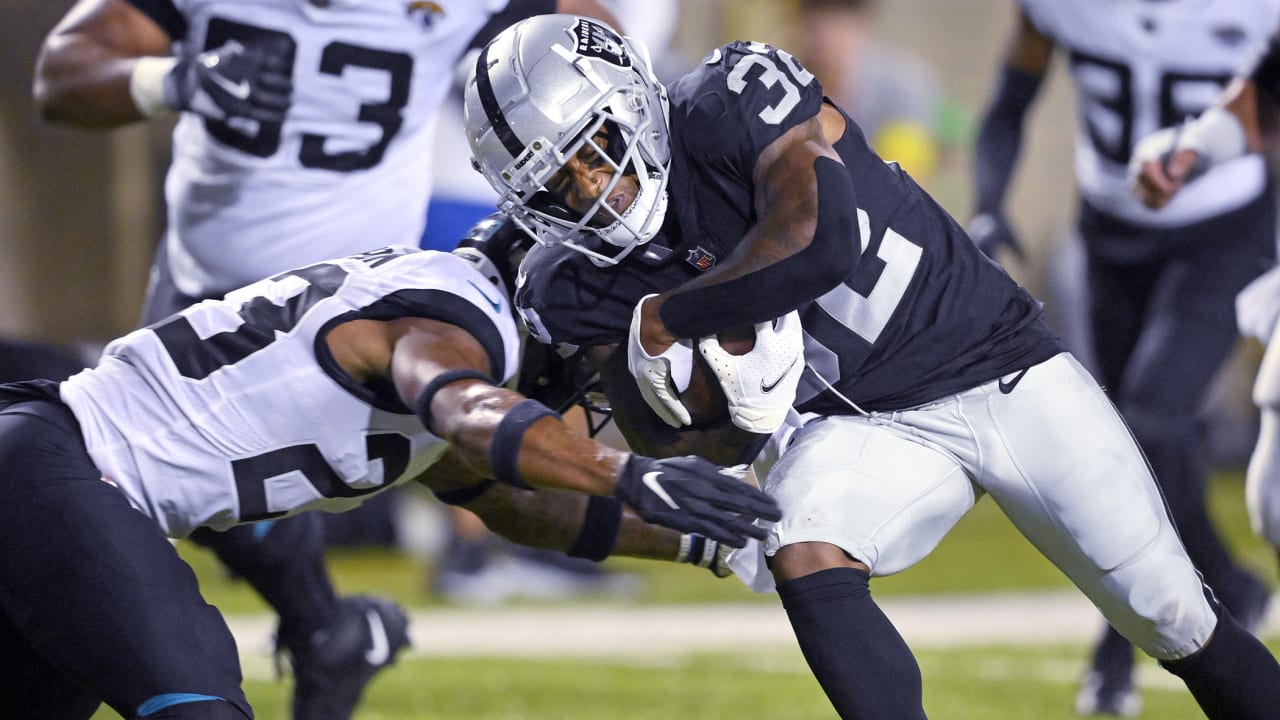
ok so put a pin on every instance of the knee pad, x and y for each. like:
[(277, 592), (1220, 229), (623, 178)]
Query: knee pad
[(1158, 601)]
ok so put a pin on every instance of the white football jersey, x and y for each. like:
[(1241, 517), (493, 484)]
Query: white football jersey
[(350, 161), (1139, 66), (234, 411)]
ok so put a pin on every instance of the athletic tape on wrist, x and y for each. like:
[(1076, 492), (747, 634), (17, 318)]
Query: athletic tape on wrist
[(1216, 134), (599, 531), (504, 451), (146, 85), (429, 392)]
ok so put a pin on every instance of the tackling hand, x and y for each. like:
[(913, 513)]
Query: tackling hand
[(991, 231), (653, 373), (761, 384), (234, 80), (694, 495)]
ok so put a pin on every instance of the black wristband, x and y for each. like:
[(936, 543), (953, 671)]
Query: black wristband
[(462, 496), (504, 451), (599, 531), (429, 392)]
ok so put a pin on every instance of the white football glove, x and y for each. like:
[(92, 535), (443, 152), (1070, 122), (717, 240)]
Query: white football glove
[(656, 374), (1216, 136), (760, 385)]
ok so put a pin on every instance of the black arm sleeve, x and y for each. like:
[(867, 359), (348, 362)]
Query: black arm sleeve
[(776, 290), (1000, 137)]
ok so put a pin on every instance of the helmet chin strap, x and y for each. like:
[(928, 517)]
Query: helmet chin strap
[(649, 205)]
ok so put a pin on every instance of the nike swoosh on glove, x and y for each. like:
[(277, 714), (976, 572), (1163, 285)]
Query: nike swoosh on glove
[(654, 373), (760, 385), (694, 495), (234, 80)]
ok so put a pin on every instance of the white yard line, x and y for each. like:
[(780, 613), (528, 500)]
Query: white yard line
[(665, 630)]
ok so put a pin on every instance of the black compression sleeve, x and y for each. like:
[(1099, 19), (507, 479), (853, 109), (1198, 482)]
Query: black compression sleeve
[(1000, 137), (599, 531), (776, 290)]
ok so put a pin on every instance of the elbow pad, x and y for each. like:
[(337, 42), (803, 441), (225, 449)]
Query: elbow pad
[(777, 289)]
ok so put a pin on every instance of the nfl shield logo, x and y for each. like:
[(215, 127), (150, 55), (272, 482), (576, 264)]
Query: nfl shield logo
[(700, 258)]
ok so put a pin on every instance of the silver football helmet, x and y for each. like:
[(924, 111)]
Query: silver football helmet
[(544, 90)]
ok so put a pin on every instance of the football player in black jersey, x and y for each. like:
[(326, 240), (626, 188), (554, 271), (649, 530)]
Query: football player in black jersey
[(738, 195), (1160, 286)]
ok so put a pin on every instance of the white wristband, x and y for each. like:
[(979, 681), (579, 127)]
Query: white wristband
[(1217, 135), (146, 84)]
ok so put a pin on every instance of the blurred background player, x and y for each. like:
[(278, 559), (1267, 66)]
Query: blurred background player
[(892, 94), (1160, 287), (304, 133)]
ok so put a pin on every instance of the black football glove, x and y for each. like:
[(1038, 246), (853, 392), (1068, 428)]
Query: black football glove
[(694, 495), (990, 232), (234, 80)]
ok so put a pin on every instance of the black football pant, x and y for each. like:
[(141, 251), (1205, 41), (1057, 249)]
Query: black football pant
[(95, 604)]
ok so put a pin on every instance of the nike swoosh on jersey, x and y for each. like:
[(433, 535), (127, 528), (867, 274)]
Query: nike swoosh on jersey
[(1007, 387), (497, 306), (768, 387), (378, 654), (650, 480)]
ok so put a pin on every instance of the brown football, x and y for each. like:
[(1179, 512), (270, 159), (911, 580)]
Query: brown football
[(704, 397)]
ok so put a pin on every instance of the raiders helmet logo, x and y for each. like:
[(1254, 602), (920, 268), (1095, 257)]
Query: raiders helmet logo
[(597, 41)]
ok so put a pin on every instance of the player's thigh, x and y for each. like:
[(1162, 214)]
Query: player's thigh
[(869, 489), (1063, 467), (32, 688), (93, 585)]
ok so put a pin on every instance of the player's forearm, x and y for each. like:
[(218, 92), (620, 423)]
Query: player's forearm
[(554, 519), (1000, 137), (83, 83)]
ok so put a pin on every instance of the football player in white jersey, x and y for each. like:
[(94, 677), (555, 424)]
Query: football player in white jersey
[(314, 389), (1161, 285), (304, 132)]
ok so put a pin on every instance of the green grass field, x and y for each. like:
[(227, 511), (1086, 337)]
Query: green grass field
[(984, 554)]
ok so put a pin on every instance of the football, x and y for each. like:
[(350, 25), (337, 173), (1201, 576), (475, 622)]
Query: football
[(704, 397)]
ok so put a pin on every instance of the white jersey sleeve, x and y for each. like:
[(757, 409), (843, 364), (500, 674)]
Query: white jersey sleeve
[(246, 200), (1141, 66), (234, 411)]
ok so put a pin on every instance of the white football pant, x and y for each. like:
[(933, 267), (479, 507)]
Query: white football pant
[(1054, 455)]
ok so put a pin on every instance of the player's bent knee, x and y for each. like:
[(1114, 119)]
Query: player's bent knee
[(1158, 602), (805, 558)]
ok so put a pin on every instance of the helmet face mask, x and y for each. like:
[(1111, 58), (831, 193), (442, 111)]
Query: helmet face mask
[(558, 86)]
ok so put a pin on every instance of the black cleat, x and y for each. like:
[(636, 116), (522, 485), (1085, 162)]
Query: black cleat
[(332, 668)]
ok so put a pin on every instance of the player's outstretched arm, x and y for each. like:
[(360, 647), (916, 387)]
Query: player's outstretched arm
[(586, 526), (443, 372)]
